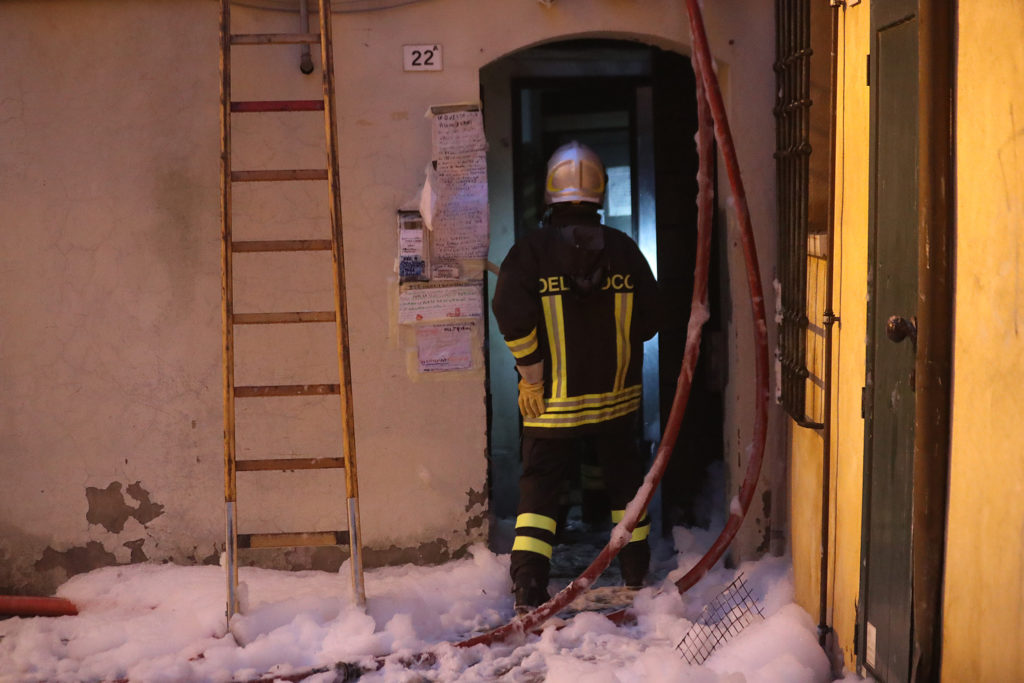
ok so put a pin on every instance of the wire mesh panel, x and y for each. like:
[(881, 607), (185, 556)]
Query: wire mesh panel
[(721, 620)]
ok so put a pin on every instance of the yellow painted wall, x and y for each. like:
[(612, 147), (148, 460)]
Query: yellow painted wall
[(984, 599), (853, 107), (850, 304)]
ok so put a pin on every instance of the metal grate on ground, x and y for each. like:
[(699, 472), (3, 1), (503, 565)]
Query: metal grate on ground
[(721, 620)]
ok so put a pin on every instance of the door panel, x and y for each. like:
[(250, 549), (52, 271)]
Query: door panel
[(887, 585)]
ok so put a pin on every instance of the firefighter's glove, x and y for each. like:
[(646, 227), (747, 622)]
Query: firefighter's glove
[(531, 398), (531, 390)]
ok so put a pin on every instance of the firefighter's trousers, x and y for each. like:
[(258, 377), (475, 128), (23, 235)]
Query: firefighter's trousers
[(546, 464)]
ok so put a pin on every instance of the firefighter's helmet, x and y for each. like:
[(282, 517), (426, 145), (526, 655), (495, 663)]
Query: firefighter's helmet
[(575, 174)]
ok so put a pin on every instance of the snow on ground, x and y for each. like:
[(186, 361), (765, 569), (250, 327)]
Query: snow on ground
[(152, 622)]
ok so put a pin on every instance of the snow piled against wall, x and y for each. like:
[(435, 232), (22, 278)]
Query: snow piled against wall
[(165, 622)]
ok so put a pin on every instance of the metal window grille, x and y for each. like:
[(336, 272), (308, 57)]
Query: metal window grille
[(792, 164), (722, 619)]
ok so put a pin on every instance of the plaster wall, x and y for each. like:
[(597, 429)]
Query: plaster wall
[(110, 265), (984, 582)]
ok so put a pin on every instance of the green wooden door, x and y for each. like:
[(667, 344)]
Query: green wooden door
[(885, 618)]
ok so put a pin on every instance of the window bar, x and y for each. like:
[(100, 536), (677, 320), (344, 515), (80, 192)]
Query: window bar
[(792, 112)]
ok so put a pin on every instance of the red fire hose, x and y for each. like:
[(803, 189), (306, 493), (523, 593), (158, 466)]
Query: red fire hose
[(29, 606), (706, 76)]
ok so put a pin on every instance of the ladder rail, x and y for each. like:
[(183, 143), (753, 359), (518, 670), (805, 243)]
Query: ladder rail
[(338, 259), (230, 488)]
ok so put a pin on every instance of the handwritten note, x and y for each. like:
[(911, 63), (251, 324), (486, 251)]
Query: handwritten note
[(444, 347), (458, 131), (461, 216), (425, 303)]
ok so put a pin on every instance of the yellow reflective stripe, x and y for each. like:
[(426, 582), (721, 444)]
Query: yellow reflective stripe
[(590, 401), (617, 516), (523, 346), (623, 349), (555, 325), (532, 545), (555, 419), (532, 519), (643, 527)]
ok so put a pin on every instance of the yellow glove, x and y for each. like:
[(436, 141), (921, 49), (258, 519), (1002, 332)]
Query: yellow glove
[(531, 398)]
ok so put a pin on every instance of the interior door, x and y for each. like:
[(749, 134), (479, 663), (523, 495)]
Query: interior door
[(887, 595)]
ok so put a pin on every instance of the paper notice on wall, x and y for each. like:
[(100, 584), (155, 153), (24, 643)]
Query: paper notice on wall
[(410, 243), (460, 213), (458, 131), (413, 247), (442, 347), (425, 303)]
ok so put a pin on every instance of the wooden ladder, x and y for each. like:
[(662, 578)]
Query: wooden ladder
[(339, 316)]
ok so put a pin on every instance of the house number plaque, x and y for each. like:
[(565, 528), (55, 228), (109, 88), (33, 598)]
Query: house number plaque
[(421, 57)]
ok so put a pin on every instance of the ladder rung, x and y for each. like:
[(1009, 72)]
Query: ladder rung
[(293, 540), (286, 390), (286, 174), (276, 105), (281, 245), (284, 464), (274, 38), (296, 317)]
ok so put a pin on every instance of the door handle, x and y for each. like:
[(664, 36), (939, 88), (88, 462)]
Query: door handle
[(898, 328)]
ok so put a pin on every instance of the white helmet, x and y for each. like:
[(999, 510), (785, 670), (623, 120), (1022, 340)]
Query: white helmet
[(575, 174)]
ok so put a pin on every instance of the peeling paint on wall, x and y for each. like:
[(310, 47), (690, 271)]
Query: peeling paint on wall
[(138, 555), (76, 560), (330, 558), (475, 498), (477, 522), (432, 552), (107, 507)]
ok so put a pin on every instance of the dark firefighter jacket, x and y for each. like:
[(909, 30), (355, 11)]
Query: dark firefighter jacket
[(586, 314)]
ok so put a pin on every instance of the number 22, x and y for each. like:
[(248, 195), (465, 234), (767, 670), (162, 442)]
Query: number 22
[(423, 57)]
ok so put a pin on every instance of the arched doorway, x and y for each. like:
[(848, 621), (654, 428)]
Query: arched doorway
[(635, 105)]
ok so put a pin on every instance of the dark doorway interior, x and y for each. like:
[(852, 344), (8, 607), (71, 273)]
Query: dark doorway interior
[(635, 106)]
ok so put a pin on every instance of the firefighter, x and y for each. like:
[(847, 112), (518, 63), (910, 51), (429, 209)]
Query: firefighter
[(575, 301)]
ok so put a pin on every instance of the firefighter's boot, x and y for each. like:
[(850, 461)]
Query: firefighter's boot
[(634, 561), (530, 593)]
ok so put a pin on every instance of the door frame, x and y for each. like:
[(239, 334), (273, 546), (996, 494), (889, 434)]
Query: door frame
[(549, 62), (934, 369)]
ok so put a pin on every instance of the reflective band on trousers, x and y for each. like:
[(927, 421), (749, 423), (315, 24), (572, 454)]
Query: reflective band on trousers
[(532, 519), (532, 545), (643, 527)]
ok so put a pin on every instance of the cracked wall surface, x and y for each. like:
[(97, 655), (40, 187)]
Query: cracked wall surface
[(110, 324)]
